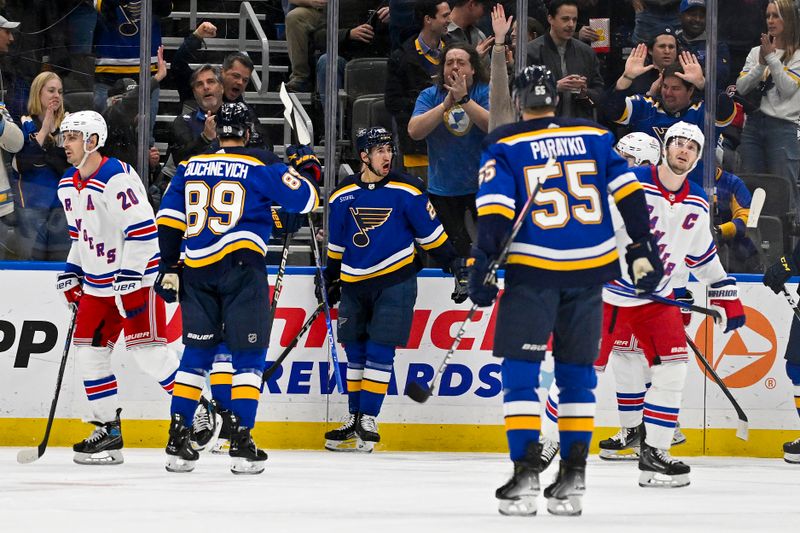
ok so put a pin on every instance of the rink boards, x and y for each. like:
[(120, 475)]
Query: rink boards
[(465, 414)]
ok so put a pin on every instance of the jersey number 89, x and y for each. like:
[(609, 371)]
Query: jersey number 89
[(225, 199), (558, 212)]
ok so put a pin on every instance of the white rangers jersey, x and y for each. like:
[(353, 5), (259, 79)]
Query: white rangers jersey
[(111, 225), (680, 223)]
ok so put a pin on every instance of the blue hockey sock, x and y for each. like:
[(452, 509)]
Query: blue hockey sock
[(222, 377), (520, 405), (356, 358), (576, 405), (377, 374), (189, 381), (246, 384)]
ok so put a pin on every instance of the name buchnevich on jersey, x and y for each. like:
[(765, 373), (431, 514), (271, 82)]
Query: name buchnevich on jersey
[(558, 147), (229, 169)]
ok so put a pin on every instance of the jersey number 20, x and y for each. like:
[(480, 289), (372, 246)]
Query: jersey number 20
[(587, 208), (225, 199)]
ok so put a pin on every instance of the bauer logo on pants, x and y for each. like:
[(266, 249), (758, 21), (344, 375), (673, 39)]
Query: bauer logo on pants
[(743, 357)]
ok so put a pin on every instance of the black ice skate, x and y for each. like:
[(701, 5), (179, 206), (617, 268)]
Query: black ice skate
[(518, 496), (223, 442), (181, 455), (550, 449), (246, 458), (103, 446), (564, 494), (660, 469), (622, 446), (206, 426), (343, 438), (366, 433), (791, 452)]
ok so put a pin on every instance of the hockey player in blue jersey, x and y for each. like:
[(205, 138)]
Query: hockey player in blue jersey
[(221, 203), (377, 218), (556, 267)]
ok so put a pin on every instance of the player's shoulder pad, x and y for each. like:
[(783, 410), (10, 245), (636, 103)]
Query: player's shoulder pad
[(643, 173), (112, 167), (347, 184), (402, 178), (695, 189), (265, 156)]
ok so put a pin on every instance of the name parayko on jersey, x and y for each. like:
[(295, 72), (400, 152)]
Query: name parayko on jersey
[(558, 147)]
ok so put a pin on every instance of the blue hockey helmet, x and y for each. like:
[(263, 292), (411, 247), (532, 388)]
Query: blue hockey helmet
[(535, 87), (233, 119), (367, 138)]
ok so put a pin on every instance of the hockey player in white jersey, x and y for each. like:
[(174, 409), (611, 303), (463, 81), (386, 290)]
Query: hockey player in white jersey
[(109, 275)]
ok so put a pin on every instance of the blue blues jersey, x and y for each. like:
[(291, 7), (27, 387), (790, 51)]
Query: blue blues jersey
[(117, 38), (221, 202), (731, 204), (374, 228), (568, 239)]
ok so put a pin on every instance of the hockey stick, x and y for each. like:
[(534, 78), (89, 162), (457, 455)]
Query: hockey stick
[(276, 294), (684, 305), (791, 302), (29, 455), (741, 430), (419, 392), (286, 351), (325, 307), (290, 114)]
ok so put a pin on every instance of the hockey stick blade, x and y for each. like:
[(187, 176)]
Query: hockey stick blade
[(418, 392), (743, 424), (756, 205), (292, 116), (28, 455)]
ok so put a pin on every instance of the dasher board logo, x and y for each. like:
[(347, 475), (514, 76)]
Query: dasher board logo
[(743, 357)]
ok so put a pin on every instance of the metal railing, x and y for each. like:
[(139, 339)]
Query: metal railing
[(248, 15)]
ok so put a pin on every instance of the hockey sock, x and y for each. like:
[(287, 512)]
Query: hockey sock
[(356, 358), (189, 381), (246, 384), (550, 419), (520, 405), (157, 361), (222, 377), (377, 375), (576, 384), (98, 381), (793, 371), (629, 374), (662, 403)]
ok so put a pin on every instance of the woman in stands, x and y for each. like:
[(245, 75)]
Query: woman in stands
[(770, 79), (40, 165)]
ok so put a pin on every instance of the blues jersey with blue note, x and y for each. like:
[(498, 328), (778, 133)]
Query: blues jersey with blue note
[(374, 228), (568, 240), (221, 202)]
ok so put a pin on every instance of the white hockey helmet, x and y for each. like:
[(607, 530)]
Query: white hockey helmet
[(643, 148), (686, 131), (88, 123)]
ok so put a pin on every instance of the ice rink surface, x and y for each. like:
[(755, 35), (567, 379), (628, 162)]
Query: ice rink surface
[(316, 491)]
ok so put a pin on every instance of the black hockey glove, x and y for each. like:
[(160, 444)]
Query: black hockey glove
[(334, 289), (685, 296), (285, 222), (304, 160), (481, 295), (168, 283), (644, 265), (777, 274), (458, 268)]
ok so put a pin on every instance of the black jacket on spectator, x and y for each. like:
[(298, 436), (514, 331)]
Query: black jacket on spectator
[(181, 73), (580, 59), (186, 138), (353, 13), (122, 122), (405, 79)]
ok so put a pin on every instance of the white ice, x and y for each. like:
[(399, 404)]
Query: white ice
[(317, 491)]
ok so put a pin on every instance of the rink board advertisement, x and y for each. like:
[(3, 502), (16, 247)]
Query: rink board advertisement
[(300, 401)]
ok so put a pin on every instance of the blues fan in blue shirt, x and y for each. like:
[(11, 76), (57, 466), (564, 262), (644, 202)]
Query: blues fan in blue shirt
[(556, 267), (221, 203), (377, 218)]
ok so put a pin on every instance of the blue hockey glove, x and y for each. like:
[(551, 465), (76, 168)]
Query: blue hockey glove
[(776, 276), (334, 289), (285, 222), (304, 160), (481, 295), (644, 265), (168, 283), (458, 268)]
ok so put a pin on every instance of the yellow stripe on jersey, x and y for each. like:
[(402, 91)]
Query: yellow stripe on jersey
[(435, 244), (553, 132), (374, 387), (127, 69), (245, 392), (184, 391), (234, 157), (625, 190), (496, 209), (350, 278), (576, 264), (334, 255), (575, 424), (232, 247), (725, 122), (523, 422), (171, 222), (342, 191), (400, 185)]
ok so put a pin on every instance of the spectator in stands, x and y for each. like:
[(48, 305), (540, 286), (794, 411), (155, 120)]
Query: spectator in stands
[(501, 110), (662, 51), (363, 32), (22, 61), (453, 117), (731, 209), (463, 19), (652, 15), (572, 62), (740, 24), (41, 163), (10, 143), (692, 36), (302, 22), (412, 69), (771, 79), (237, 69), (71, 38), (195, 132)]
